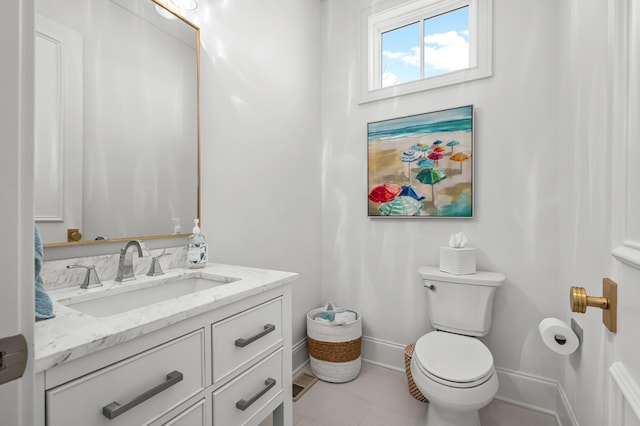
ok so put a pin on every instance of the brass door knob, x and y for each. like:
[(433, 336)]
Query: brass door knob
[(579, 301), (73, 234)]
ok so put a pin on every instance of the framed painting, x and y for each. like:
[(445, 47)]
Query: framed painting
[(422, 165)]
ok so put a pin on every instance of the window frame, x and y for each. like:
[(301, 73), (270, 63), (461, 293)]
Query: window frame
[(376, 20)]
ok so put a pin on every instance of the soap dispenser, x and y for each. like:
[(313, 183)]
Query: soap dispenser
[(196, 248)]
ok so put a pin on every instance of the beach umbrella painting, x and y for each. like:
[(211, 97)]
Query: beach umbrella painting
[(410, 191), (424, 148), (407, 206), (435, 156), (409, 157), (460, 157), (452, 144), (438, 142), (438, 149), (431, 177), (384, 193), (425, 163)]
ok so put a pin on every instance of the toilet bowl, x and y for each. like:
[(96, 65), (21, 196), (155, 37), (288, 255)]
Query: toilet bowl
[(450, 365), (457, 376)]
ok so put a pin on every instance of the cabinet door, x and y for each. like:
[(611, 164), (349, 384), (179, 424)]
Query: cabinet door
[(192, 416), (135, 391)]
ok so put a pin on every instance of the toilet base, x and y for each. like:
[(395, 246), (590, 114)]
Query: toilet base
[(440, 416)]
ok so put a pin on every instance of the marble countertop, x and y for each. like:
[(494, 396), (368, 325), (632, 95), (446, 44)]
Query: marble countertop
[(72, 334)]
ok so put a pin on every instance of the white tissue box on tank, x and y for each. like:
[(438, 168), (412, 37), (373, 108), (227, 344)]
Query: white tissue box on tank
[(458, 261)]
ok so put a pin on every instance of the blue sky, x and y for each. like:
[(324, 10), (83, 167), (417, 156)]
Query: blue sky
[(446, 48)]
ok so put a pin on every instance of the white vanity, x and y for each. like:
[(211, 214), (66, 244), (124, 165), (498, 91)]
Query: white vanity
[(191, 347)]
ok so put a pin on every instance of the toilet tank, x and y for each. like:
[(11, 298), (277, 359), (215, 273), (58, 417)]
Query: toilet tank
[(461, 304)]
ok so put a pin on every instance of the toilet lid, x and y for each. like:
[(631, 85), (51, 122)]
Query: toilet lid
[(453, 357)]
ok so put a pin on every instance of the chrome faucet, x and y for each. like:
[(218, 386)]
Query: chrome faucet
[(125, 265), (91, 278)]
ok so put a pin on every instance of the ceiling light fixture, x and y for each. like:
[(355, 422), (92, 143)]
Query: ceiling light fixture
[(185, 4)]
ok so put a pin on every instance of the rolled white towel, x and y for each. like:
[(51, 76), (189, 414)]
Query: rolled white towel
[(344, 317)]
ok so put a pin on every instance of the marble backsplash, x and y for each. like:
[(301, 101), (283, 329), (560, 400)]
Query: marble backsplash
[(55, 274)]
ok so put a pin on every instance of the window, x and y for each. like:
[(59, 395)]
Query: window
[(424, 44)]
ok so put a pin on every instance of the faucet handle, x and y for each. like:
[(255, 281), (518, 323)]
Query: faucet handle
[(155, 268), (91, 278)]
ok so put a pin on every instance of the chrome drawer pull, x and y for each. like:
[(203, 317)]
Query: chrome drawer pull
[(244, 404), (113, 410), (268, 328)]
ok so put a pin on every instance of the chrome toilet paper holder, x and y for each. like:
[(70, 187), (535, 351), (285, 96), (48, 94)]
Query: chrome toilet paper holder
[(608, 302)]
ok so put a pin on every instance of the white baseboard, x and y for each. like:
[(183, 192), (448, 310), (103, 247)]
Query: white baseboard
[(382, 352), (299, 355), (535, 393)]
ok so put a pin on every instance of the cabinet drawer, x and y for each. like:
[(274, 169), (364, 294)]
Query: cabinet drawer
[(243, 338), (192, 416), (81, 401), (252, 391)]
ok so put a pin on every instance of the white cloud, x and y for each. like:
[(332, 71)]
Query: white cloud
[(446, 51), (393, 55), (413, 58), (389, 79)]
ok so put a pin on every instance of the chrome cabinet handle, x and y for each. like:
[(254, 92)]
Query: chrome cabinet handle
[(113, 410), (243, 404), (268, 328)]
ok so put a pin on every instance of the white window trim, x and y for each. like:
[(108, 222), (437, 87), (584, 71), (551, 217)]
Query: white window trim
[(380, 18)]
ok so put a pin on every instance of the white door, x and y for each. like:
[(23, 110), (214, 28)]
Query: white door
[(623, 405), (58, 130), (16, 208)]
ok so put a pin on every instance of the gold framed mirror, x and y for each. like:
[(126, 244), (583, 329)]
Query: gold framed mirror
[(117, 121)]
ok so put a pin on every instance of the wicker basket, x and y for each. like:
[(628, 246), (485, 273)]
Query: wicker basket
[(334, 350), (413, 388)]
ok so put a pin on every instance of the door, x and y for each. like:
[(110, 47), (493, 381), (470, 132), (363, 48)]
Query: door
[(58, 131), (623, 405), (16, 208)]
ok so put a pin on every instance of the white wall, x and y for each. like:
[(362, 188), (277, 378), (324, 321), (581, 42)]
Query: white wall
[(261, 196), (372, 265)]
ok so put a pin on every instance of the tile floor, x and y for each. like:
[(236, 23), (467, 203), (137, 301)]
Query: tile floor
[(380, 397)]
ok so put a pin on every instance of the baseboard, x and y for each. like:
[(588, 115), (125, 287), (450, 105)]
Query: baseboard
[(299, 355), (383, 352), (535, 393)]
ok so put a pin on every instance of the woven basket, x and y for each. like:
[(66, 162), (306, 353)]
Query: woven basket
[(413, 388), (334, 350)]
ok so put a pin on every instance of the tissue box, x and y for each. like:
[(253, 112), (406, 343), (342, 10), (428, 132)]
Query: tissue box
[(458, 261)]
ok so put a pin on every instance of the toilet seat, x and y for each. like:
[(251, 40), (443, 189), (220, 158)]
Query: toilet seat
[(453, 360)]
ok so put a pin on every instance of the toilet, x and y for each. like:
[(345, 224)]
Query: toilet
[(450, 365)]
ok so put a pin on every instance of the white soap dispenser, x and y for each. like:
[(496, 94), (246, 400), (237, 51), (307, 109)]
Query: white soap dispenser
[(196, 248)]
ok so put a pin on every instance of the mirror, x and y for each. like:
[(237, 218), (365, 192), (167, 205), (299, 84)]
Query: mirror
[(117, 121)]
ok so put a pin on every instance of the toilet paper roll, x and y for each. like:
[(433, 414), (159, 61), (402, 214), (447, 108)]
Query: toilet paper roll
[(558, 336)]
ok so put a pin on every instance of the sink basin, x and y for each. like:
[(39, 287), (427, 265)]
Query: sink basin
[(116, 301)]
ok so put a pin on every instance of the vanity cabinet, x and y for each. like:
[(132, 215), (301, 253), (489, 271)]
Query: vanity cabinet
[(227, 367)]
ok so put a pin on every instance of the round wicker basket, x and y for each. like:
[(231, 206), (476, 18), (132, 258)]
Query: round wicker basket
[(334, 351), (413, 388)]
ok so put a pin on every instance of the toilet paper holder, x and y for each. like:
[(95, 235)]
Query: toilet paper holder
[(608, 302)]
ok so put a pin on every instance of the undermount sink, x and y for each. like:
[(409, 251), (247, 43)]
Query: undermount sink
[(118, 300)]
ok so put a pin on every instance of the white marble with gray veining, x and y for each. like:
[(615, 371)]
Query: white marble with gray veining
[(55, 274), (71, 334)]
